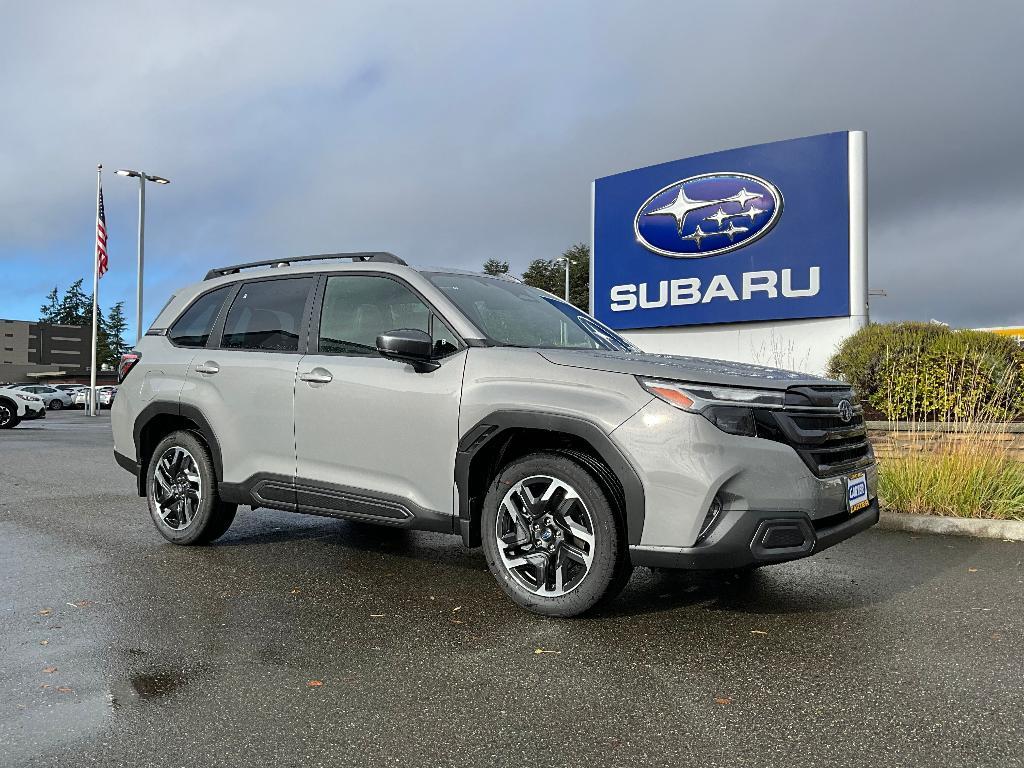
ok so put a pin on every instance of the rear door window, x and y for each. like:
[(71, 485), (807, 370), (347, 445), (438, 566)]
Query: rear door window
[(193, 328), (268, 315)]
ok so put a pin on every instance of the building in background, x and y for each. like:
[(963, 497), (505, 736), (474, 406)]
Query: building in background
[(1014, 332), (36, 351)]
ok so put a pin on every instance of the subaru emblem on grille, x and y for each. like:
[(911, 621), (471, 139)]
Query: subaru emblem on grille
[(845, 410)]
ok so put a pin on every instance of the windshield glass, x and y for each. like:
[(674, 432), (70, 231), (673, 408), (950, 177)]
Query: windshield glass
[(517, 315)]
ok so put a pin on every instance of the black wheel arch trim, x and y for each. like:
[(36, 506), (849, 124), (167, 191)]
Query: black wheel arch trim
[(170, 408), (499, 422)]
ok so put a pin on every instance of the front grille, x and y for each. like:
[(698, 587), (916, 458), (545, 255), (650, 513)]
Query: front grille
[(812, 425)]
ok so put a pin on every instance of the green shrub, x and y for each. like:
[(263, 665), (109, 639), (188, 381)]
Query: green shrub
[(921, 371)]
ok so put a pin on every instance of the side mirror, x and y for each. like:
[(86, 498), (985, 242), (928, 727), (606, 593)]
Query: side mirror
[(409, 345)]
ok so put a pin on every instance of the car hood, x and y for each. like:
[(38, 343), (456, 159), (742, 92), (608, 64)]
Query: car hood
[(679, 368)]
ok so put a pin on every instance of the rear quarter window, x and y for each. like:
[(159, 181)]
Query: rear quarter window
[(194, 326)]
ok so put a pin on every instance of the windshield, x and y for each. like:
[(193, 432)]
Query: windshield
[(516, 315)]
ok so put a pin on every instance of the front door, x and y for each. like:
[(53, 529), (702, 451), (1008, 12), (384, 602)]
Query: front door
[(375, 439)]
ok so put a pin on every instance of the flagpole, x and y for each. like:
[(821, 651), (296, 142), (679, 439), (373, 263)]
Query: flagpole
[(95, 299)]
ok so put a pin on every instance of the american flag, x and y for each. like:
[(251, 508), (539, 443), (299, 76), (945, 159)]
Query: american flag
[(101, 236)]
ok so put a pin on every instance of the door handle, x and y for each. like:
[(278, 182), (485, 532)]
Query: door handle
[(317, 376), (208, 367)]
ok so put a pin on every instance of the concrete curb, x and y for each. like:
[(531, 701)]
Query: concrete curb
[(1012, 530)]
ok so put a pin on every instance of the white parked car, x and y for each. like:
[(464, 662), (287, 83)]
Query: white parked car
[(53, 398), (104, 398), (17, 405)]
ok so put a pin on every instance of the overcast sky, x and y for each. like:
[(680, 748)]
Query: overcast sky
[(453, 132)]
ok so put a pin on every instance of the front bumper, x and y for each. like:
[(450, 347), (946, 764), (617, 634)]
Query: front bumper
[(34, 411), (745, 538)]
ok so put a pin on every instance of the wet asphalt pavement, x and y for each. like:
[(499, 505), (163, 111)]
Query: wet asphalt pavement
[(306, 641)]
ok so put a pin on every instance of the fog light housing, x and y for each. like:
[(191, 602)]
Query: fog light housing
[(714, 512)]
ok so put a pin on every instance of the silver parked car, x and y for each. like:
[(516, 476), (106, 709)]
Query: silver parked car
[(451, 401)]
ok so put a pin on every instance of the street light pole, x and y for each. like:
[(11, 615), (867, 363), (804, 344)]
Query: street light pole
[(142, 248), (143, 177), (567, 263)]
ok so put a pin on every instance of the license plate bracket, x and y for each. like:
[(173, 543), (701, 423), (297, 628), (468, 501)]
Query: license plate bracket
[(857, 492)]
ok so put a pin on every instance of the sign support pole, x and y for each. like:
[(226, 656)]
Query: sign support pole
[(858, 175)]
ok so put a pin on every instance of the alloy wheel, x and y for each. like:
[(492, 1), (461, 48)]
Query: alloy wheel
[(178, 489), (545, 536), (5, 415)]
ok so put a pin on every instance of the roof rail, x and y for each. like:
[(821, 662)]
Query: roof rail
[(378, 256)]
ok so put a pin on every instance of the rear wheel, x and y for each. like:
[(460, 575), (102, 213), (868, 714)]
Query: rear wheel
[(56, 404), (551, 536), (8, 415), (181, 489)]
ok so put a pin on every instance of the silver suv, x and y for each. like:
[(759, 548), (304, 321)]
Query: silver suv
[(446, 400)]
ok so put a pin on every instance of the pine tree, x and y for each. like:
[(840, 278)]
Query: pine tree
[(105, 357), (495, 267), (114, 328), (76, 307), (48, 312)]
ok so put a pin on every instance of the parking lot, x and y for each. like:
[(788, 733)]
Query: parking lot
[(305, 641)]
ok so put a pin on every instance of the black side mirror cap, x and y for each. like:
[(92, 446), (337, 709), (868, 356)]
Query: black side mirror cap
[(409, 345)]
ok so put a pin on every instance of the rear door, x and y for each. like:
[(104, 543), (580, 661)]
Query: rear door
[(374, 438), (243, 384)]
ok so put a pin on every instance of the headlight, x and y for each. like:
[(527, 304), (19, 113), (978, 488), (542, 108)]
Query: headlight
[(731, 409), (29, 398), (696, 397)]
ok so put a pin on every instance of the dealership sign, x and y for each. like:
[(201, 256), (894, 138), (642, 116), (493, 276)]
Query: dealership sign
[(758, 233)]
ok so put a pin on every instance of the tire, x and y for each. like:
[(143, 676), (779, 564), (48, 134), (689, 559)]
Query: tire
[(541, 539), (56, 404), (183, 500), (9, 418)]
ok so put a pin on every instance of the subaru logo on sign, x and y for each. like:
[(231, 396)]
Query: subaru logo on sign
[(707, 215)]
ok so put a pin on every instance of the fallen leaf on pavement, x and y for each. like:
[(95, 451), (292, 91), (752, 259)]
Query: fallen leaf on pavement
[(64, 689), (49, 670), (541, 650), (972, 570), (296, 591), (46, 611), (456, 609), (314, 684), (44, 642), (723, 700)]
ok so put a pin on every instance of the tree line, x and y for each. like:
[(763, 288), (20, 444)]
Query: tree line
[(549, 274), (75, 308)]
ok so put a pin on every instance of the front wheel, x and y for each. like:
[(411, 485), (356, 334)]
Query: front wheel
[(551, 536), (181, 490), (9, 418)]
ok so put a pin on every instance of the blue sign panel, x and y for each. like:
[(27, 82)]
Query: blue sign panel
[(757, 233)]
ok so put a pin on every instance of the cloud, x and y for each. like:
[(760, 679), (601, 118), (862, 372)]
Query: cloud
[(452, 133)]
